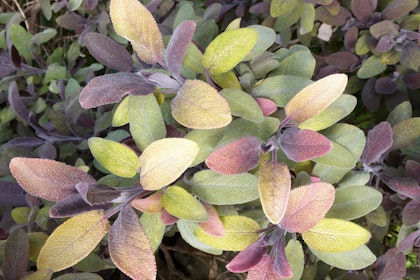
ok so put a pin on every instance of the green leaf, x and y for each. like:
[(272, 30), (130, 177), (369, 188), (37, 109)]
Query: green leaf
[(146, 121), (242, 104), (164, 160), (354, 178), (228, 49), (405, 133), (356, 259), (266, 37), (39, 275), (280, 7), (120, 117), (44, 36), (197, 105), (181, 204), (79, 276), (206, 140), (354, 202), (295, 257), (187, 229), (73, 240), (329, 173), (240, 232), (153, 228), (274, 184), (93, 263), (134, 22), (36, 241), (400, 113), (371, 67), (20, 214), (21, 39), (118, 158), (218, 189), (192, 59), (336, 236), (291, 61), (307, 20)]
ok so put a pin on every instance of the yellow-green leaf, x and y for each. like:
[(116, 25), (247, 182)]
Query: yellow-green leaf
[(335, 236), (134, 22), (274, 185), (180, 203), (39, 275), (118, 158), (228, 49), (72, 241), (164, 160), (314, 98), (405, 133), (198, 105), (240, 232), (120, 116)]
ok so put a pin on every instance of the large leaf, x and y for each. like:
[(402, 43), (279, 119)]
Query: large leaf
[(303, 144), (248, 258), (398, 8), (72, 241), (146, 121), (354, 202), (391, 265), (219, 189), (16, 255), (187, 229), (39, 177), (240, 232), (405, 133), (236, 157), (111, 88), (118, 158), (129, 247), (274, 183), (291, 60), (242, 104), (164, 160), (307, 206), (336, 236), (314, 98), (228, 49), (378, 141), (198, 105), (181, 204), (134, 22)]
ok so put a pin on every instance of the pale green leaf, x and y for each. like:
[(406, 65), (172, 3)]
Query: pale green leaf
[(400, 113), (120, 116), (242, 104), (280, 7), (308, 18), (295, 257), (329, 173), (266, 38), (153, 228), (79, 276), (40, 274), (192, 59), (405, 133), (354, 178), (186, 229), (371, 67), (206, 140), (291, 61), (21, 41)]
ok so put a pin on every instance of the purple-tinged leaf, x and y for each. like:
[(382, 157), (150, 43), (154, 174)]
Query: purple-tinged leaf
[(385, 43), (412, 80), (48, 179), (27, 143), (281, 264), (385, 85), (260, 8), (16, 102), (248, 258), (409, 241), (370, 97), (363, 9), (410, 56), (162, 80), (11, 194), (350, 38), (411, 213), (167, 219), (150, 204), (47, 150), (153, 5), (379, 140), (6, 66), (73, 205), (178, 46), (90, 4), (303, 144), (236, 157), (405, 186), (214, 225), (339, 19), (342, 60), (412, 169), (108, 52), (100, 194), (264, 270), (391, 265), (69, 20), (16, 255), (111, 88), (385, 27), (267, 106), (398, 8)]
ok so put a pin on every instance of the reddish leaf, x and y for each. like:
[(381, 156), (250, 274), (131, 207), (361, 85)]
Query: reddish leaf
[(73, 205), (264, 270), (236, 157), (16, 255), (267, 106), (281, 265), (385, 85), (342, 60), (303, 144), (214, 225), (248, 258), (307, 206), (406, 186), (111, 88), (412, 169), (48, 179), (411, 213), (167, 219), (350, 38), (150, 204), (391, 265), (379, 140), (409, 241), (363, 9)]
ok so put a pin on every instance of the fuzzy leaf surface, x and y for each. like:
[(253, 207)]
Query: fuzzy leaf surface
[(16, 255), (40, 177), (242, 104), (378, 141), (213, 225), (391, 265), (405, 133), (248, 258), (187, 229), (264, 270), (206, 139), (72, 241), (398, 8), (164, 160)]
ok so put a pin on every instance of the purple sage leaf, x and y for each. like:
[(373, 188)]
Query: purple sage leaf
[(162, 80), (385, 85), (409, 241), (412, 80), (281, 264), (411, 213), (412, 169), (391, 265), (248, 258), (379, 140), (363, 9), (73, 205), (370, 97), (342, 60), (11, 194), (16, 255), (405, 186)]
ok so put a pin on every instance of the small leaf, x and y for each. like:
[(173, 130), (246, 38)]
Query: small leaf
[(411, 213), (401, 112), (111, 88), (267, 106), (181, 204), (342, 60), (187, 229), (371, 67), (336, 236), (378, 141), (150, 204), (134, 22), (303, 144), (242, 104), (39, 275), (213, 225), (406, 186), (236, 157), (391, 265), (73, 205), (118, 158), (164, 160), (240, 232), (130, 248), (307, 206), (405, 133), (73, 240), (39, 177), (274, 183), (248, 258), (398, 8), (198, 105), (314, 98), (228, 49), (16, 255)]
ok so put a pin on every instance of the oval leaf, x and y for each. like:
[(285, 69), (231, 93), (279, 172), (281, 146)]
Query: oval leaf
[(118, 158), (313, 99), (307, 206), (228, 49), (134, 22), (213, 225), (181, 204), (267, 106), (198, 105), (274, 185), (248, 258), (236, 157), (405, 133), (72, 241), (39, 177), (16, 255), (242, 104), (129, 247), (187, 229), (336, 236), (163, 161)]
